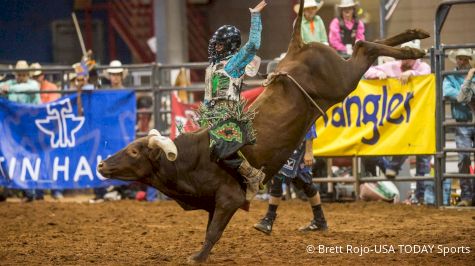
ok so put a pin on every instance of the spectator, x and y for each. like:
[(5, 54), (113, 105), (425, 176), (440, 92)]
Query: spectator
[(223, 86), (298, 168), (313, 29), (116, 74), (346, 28), (21, 83), (45, 85), (81, 80), (13, 88), (464, 135), (403, 70)]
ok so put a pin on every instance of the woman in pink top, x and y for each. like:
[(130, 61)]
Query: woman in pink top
[(346, 29), (401, 69)]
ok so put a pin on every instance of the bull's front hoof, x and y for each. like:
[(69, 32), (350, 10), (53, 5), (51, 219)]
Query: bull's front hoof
[(198, 258), (419, 33)]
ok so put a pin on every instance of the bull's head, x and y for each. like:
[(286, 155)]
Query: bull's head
[(137, 160)]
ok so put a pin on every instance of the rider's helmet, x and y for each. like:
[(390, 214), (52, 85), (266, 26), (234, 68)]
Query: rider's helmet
[(227, 35)]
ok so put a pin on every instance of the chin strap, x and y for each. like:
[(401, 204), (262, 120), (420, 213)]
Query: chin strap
[(272, 76)]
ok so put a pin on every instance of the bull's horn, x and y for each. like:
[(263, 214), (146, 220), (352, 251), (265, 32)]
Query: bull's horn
[(166, 144), (154, 132)]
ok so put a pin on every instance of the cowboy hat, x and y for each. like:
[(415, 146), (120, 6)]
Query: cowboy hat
[(115, 67), (21, 65), (308, 4), (36, 72), (461, 52), (347, 3), (416, 44)]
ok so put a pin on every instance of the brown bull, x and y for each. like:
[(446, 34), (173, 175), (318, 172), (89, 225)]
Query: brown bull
[(285, 113)]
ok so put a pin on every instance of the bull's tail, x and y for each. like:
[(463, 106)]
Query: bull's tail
[(296, 42)]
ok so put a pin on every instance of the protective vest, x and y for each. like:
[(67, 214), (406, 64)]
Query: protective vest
[(219, 85), (348, 36)]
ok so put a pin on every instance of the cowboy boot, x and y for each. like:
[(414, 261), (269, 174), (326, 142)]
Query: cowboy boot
[(253, 177)]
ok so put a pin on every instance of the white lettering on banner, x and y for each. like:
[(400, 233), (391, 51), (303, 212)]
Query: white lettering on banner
[(56, 124), (82, 169), (369, 109), (34, 173), (59, 169), (63, 168), (11, 168)]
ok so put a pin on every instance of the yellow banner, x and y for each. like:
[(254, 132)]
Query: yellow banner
[(381, 117)]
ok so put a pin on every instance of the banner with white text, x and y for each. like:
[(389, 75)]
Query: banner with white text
[(49, 146), (381, 117)]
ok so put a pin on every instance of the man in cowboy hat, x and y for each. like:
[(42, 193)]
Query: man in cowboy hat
[(346, 28), (116, 74), (12, 89), (452, 86), (45, 85), (21, 83), (313, 29)]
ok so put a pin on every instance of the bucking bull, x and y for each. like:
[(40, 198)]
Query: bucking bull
[(308, 80)]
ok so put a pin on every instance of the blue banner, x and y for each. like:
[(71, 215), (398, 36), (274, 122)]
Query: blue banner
[(48, 146)]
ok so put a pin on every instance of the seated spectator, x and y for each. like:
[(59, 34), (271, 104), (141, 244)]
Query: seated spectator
[(45, 85), (345, 29), (116, 74)]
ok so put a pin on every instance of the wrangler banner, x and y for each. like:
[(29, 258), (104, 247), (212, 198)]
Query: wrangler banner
[(49, 146), (381, 117)]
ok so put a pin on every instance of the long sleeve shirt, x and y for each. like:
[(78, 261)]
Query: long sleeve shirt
[(467, 91), (393, 69), (314, 30), (452, 86), (30, 85), (236, 66), (334, 35)]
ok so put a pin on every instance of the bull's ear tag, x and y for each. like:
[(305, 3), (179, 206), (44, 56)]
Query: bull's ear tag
[(253, 67)]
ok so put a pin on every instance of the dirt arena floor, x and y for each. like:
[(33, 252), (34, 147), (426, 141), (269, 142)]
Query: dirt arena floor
[(137, 233)]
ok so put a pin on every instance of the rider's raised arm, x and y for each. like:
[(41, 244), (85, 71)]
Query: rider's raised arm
[(237, 64)]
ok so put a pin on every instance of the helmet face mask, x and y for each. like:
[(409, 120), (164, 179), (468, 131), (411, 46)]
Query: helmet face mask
[(228, 40)]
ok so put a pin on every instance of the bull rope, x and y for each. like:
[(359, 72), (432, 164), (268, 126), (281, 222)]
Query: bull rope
[(272, 76)]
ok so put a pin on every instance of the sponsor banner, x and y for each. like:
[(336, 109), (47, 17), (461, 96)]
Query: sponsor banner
[(48, 146), (381, 117)]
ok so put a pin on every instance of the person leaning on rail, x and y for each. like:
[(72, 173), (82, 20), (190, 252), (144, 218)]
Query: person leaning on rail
[(12, 90), (466, 94), (464, 135), (404, 70)]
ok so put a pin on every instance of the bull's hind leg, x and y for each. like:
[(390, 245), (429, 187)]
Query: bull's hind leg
[(368, 52), (406, 36)]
